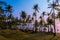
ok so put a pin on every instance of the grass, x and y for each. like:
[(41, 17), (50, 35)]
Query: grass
[(19, 35)]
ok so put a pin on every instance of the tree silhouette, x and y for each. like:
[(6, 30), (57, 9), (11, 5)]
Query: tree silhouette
[(41, 23), (49, 22), (4, 10), (23, 17), (9, 10), (34, 14), (36, 25), (43, 14), (53, 7), (2, 16)]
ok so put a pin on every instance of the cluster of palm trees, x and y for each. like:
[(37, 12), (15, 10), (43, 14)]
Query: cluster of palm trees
[(7, 21), (5, 15)]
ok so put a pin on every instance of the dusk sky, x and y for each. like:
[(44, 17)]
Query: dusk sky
[(27, 5)]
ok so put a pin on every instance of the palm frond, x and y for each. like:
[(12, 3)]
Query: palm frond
[(57, 9), (48, 0)]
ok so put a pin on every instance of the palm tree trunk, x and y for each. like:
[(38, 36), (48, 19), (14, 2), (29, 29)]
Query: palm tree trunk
[(54, 30), (39, 28), (48, 28), (54, 22), (35, 20)]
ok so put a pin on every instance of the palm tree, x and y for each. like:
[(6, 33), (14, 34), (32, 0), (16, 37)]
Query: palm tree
[(2, 17), (40, 23), (43, 14), (36, 25), (36, 10), (28, 21), (49, 22), (9, 10), (54, 6), (10, 23), (23, 17)]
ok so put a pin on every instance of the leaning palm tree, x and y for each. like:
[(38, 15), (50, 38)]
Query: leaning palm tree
[(34, 14)]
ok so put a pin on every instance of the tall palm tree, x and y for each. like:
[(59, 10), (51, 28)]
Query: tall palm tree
[(28, 21), (9, 10), (36, 10), (49, 22), (43, 14), (36, 25), (54, 5), (10, 23), (40, 23), (23, 17)]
